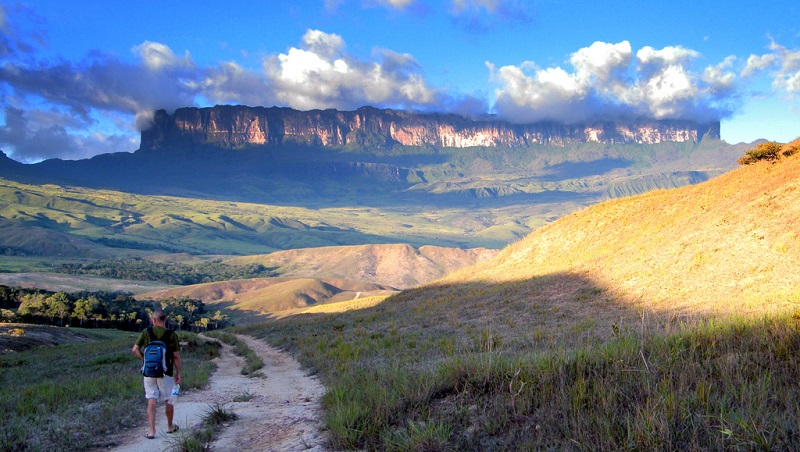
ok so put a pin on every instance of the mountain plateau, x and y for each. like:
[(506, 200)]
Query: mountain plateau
[(236, 126)]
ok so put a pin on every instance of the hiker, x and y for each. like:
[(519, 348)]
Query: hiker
[(159, 388)]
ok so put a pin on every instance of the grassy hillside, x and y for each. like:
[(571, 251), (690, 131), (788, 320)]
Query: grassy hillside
[(661, 321), (398, 265), (727, 245), (251, 300), (73, 222)]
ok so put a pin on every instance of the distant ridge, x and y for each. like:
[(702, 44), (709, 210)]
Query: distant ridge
[(229, 126)]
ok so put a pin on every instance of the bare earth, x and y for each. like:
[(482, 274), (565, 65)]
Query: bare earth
[(283, 412)]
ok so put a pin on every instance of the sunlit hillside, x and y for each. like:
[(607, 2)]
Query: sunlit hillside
[(249, 299), (398, 265), (643, 323), (729, 245)]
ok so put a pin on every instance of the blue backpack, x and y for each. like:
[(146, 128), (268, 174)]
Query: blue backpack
[(155, 357)]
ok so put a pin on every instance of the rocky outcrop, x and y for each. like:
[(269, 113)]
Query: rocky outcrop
[(241, 126)]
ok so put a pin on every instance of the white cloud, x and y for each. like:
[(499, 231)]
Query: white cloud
[(321, 75), (36, 135), (157, 56), (720, 77), (756, 63), (607, 82), (787, 77), (668, 55)]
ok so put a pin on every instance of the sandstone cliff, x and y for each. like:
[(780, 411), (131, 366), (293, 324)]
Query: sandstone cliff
[(238, 126)]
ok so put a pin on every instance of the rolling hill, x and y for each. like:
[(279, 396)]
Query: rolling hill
[(397, 265), (252, 300), (317, 276)]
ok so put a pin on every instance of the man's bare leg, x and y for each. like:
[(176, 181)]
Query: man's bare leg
[(151, 416), (170, 410)]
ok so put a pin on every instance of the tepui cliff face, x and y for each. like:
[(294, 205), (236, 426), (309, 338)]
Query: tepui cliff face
[(239, 126)]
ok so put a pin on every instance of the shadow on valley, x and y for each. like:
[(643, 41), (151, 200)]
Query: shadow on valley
[(292, 177), (552, 362), (577, 170), (557, 311)]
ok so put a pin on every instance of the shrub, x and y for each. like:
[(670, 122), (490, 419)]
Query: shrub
[(770, 151)]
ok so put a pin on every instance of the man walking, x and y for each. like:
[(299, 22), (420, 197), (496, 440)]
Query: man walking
[(158, 389)]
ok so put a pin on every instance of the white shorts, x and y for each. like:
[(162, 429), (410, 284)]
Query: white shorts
[(159, 389)]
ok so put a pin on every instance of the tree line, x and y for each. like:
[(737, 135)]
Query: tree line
[(103, 310), (175, 273)]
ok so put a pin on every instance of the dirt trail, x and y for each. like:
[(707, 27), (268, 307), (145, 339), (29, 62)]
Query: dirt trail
[(278, 412)]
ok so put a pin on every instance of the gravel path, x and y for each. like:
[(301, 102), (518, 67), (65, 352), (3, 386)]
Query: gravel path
[(278, 412)]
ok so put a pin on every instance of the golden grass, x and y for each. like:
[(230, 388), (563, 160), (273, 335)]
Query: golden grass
[(398, 265), (268, 296), (336, 307), (710, 248)]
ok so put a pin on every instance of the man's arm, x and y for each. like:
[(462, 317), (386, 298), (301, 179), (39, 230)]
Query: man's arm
[(176, 363), (136, 350)]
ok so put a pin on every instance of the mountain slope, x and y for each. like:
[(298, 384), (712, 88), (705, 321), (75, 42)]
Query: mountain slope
[(264, 296), (727, 245), (397, 265)]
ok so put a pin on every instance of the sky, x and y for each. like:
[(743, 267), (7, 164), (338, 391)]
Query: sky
[(79, 79)]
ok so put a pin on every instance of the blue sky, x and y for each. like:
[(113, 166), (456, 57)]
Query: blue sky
[(82, 78)]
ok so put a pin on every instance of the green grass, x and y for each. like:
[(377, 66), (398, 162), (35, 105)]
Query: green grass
[(704, 385), (69, 396), (252, 362), (200, 439)]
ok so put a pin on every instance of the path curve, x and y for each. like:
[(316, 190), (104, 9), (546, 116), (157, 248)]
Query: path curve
[(282, 410)]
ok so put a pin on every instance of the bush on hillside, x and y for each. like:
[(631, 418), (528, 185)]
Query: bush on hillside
[(769, 151)]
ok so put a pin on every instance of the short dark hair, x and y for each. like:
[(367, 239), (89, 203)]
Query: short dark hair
[(159, 314)]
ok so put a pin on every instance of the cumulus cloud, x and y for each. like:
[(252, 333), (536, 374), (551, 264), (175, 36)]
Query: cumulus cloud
[(787, 77), (157, 56), (39, 135), (606, 81), (320, 74), (758, 63)]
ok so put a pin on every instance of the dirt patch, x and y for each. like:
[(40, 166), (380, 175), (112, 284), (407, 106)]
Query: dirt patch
[(280, 411), (17, 337)]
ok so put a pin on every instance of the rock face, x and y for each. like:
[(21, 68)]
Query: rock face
[(240, 126)]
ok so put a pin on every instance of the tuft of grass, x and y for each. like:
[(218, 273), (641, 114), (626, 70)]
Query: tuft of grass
[(244, 396), (217, 415), (200, 439), (195, 441), (253, 363)]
